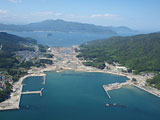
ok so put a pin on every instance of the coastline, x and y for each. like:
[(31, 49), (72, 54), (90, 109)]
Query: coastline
[(77, 65), (64, 61), (14, 101)]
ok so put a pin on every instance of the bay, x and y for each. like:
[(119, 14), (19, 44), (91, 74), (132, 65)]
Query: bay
[(63, 39), (72, 95)]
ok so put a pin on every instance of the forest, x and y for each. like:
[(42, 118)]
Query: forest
[(10, 67), (140, 53)]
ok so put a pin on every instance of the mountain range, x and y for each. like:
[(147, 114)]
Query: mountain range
[(67, 26)]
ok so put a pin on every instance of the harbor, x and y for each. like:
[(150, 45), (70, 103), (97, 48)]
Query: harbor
[(65, 59), (114, 86), (14, 101), (33, 92), (66, 89)]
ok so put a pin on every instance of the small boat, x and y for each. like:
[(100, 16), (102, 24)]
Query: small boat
[(114, 104), (107, 105)]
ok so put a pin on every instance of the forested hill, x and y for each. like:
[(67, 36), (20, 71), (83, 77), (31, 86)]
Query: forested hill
[(140, 52), (9, 44), (13, 42), (17, 56), (10, 38)]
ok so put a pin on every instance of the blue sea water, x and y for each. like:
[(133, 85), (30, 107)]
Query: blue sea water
[(72, 95), (63, 39)]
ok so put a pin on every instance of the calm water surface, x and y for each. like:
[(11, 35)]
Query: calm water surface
[(79, 96), (64, 39)]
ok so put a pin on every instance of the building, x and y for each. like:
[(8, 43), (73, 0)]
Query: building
[(121, 69)]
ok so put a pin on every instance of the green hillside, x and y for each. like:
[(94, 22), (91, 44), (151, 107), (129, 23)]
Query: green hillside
[(11, 68), (10, 44), (14, 43), (140, 53)]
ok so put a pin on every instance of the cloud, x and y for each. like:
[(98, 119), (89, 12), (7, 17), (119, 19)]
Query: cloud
[(46, 14), (103, 15), (58, 14), (15, 1), (3, 12), (75, 16)]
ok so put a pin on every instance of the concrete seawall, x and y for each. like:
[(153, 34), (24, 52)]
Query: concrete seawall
[(114, 86)]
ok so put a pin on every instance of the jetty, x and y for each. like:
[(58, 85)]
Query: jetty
[(108, 94), (44, 79), (114, 86), (33, 92)]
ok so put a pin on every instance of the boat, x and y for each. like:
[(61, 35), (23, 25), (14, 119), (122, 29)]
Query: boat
[(114, 104), (107, 105)]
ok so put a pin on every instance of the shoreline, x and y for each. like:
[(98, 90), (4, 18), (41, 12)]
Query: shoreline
[(141, 80), (140, 85), (64, 61), (13, 102)]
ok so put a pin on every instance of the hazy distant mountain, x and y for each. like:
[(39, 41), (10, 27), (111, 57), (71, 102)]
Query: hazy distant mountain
[(66, 26), (122, 30)]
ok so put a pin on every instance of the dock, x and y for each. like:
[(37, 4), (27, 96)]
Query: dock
[(33, 92), (108, 94), (106, 90), (114, 86), (44, 79), (40, 74)]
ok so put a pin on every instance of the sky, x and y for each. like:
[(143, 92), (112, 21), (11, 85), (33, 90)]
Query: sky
[(143, 15)]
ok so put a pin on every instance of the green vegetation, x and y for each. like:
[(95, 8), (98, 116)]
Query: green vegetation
[(48, 55), (46, 61), (42, 62), (99, 65), (10, 66), (140, 53), (13, 43), (31, 40), (43, 48), (155, 82), (15, 73), (36, 63), (9, 63), (4, 94), (10, 44)]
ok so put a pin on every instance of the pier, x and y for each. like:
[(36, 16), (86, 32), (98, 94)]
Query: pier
[(106, 90), (114, 86), (108, 94), (33, 92), (44, 79), (39, 74)]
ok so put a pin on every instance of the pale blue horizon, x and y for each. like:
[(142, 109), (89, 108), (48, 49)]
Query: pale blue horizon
[(138, 14)]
